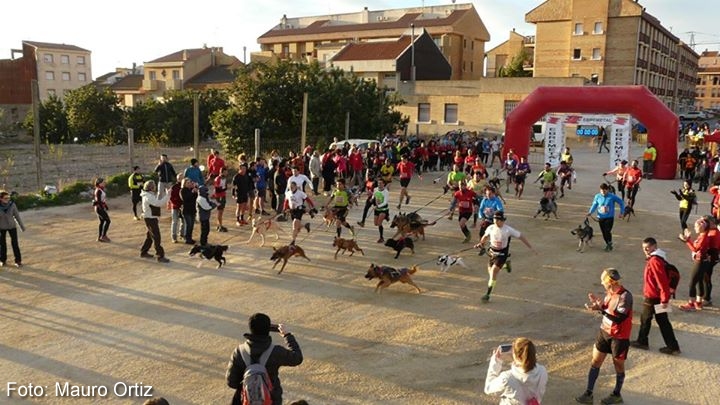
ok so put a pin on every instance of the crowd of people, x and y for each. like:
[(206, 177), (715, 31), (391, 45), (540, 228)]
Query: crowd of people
[(287, 188)]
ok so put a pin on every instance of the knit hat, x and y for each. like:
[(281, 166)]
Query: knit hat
[(259, 324)]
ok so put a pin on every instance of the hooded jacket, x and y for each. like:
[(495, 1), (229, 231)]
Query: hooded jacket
[(656, 284), (516, 387), (280, 356), (149, 198), (9, 216)]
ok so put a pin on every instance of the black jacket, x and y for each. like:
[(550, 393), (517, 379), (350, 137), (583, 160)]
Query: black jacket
[(189, 199), (280, 356), (166, 172)]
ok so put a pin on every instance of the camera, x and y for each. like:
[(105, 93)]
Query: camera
[(505, 352), (506, 348), (274, 328)]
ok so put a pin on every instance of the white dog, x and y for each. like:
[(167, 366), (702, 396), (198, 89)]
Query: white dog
[(447, 261)]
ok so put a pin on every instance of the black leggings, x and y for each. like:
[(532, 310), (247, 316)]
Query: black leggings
[(104, 221), (697, 275), (632, 194), (684, 215), (707, 279), (606, 225)]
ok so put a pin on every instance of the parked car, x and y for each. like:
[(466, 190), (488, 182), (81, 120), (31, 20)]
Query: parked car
[(692, 115), (360, 143)]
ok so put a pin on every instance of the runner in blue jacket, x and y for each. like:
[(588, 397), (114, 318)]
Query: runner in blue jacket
[(604, 203)]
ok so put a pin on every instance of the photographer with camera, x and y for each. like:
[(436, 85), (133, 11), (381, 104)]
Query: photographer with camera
[(525, 382), (259, 347)]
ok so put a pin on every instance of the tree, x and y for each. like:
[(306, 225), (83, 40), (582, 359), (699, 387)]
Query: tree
[(53, 121), (269, 97), (94, 115), (515, 67)]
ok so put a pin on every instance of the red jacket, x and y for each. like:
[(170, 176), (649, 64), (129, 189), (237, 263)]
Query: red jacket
[(175, 200), (700, 247), (656, 284)]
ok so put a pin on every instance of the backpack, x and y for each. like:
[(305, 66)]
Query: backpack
[(673, 275), (256, 384)]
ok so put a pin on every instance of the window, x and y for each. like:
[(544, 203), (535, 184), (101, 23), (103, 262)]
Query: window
[(577, 54), (438, 42), (464, 43), (423, 112), (176, 74), (595, 78), (48, 58), (451, 114), (64, 59), (596, 54), (153, 75), (66, 76), (578, 29), (51, 92), (80, 60), (81, 77), (49, 75), (471, 66), (598, 29), (472, 45), (509, 106), (463, 66)]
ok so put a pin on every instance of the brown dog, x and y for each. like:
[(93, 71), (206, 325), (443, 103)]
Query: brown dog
[(284, 253), (261, 226), (389, 276), (329, 218), (409, 224), (345, 245)]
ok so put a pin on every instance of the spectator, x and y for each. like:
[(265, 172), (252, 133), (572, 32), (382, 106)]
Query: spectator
[(315, 171), (135, 182), (178, 222), (656, 291), (204, 208), (188, 195), (220, 195), (649, 156), (9, 221), (194, 173), (257, 342), (524, 381), (613, 336), (166, 175), (151, 205), (101, 208)]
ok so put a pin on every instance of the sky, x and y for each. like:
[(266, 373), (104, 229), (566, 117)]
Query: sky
[(135, 31)]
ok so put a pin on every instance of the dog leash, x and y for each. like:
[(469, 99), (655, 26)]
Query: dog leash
[(429, 202), (449, 254)]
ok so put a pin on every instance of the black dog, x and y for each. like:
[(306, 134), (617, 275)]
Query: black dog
[(209, 252), (547, 207), (628, 212), (400, 244), (584, 234)]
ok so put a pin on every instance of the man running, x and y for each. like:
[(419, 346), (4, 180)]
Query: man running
[(295, 203), (381, 197), (342, 199), (406, 169)]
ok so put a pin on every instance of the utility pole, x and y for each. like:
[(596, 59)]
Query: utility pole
[(412, 52), (35, 89), (196, 124), (303, 131)]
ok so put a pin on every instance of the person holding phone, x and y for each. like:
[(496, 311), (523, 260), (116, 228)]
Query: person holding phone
[(257, 342), (525, 381)]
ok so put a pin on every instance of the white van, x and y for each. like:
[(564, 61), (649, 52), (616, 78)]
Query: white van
[(360, 143)]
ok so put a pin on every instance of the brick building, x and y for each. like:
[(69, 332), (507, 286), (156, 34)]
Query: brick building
[(613, 42), (456, 29)]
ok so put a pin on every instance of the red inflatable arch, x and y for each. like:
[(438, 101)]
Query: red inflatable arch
[(661, 122)]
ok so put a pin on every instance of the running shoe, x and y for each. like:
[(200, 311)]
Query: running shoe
[(612, 399), (585, 398)]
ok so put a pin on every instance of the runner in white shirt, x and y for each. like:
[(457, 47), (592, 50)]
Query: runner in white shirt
[(499, 234), (381, 197), (299, 179), (295, 204)]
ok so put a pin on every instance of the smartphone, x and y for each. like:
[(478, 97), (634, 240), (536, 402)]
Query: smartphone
[(274, 328), (506, 348)]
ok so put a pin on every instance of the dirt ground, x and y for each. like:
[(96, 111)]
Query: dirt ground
[(98, 315)]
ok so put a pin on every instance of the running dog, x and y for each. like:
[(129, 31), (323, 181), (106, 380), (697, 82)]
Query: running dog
[(400, 244), (329, 218), (547, 207), (447, 261), (629, 211), (261, 226), (584, 233), (389, 275), (410, 224), (284, 253), (210, 252), (345, 245)]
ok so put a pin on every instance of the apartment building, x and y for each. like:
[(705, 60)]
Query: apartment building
[(502, 55), (612, 42), (456, 29), (708, 84)]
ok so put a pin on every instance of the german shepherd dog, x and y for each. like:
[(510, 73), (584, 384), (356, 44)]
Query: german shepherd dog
[(345, 245), (584, 234), (284, 253), (410, 224), (547, 207), (389, 275), (261, 226), (399, 244), (210, 252)]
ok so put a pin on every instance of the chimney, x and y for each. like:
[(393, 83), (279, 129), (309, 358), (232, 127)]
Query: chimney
[(184, 55), (365, 16), (283, 21), (212, 56)]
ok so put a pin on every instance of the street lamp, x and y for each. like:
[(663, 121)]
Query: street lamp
[(412, 52)]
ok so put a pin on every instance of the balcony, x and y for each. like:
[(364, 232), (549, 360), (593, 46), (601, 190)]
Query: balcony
[(529, 41), (174, 84), (150, 85), (528, 66)]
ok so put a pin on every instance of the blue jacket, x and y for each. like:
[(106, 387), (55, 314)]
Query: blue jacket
[(605, 205), (488, 206), (194, 174)]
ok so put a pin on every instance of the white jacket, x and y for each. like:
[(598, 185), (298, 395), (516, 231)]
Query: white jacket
[(150, 198), (516, 387)]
